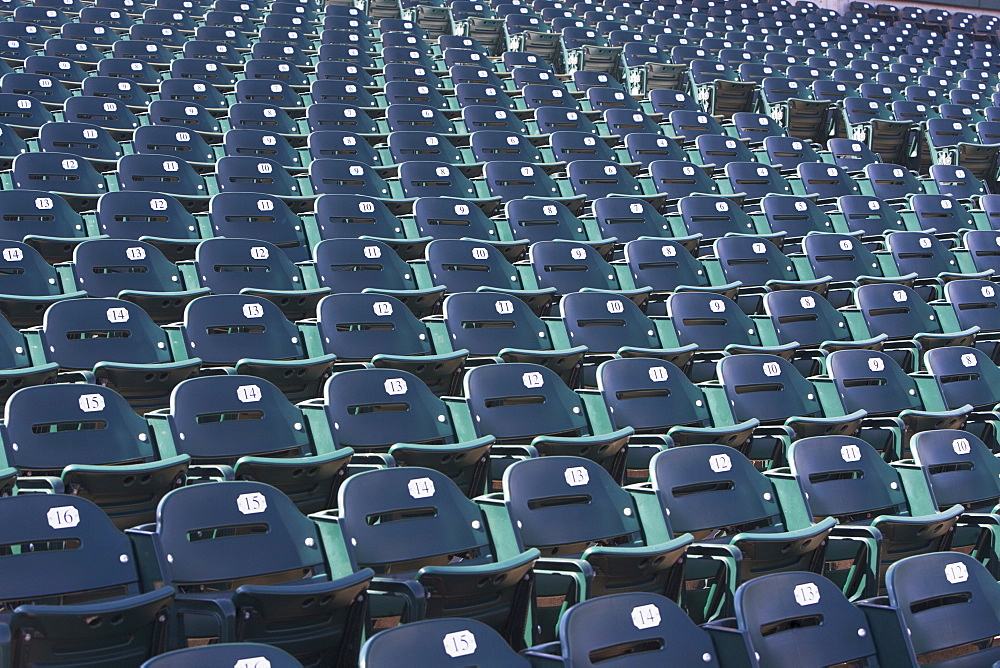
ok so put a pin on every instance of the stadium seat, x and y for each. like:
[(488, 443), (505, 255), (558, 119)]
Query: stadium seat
[(282, 591), (48, 428), (224, 653), (50, 624), (418, 579)]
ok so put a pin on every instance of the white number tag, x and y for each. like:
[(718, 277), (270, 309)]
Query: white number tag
[(91, 403), (658, 374), (117, 314), (63, 517), (576, 476), (253, 311), (504, 306), (382, 308), (251, 504), (646, 616), (421, 488), (806, 594), (248, 393), (460, 643), (850, 453), (720, 463), (13, 254), (956, 572), (135, 253), (394, 386), (532, 379)]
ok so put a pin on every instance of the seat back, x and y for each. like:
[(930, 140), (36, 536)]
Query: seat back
[(895, 310), (802, 615), (633, 629), (606, 323), (676, 179), (431, 520), (650, 395), (49, 427), (629, 218), (569, 266), (921, 253), (266, 535), (105, 267), (227, 265), (259, 216), (601, 178), (804, 316), (79, 333), (543, 220), (361, 326), (562, 505), (840, 256), (713, 487), (752, 260), (157, 173), (946, 599), (225, 654), (795, 216), (224, 329), (510, 180), (61, 172), (449, 643), (766, 387), (203, 416), (844, 477), (517, 401), (464, 265), (130, 215), (873, 381), (825, 180), (710, 320), (352, 265), (77, 533), (974, 302), (25, 272), (373, 409), (484, 323), (958, 467)]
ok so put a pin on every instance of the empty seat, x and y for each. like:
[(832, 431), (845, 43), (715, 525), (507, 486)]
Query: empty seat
[(225, 653), (483, 586), (439, 642), (115, 340), (378, 328), (230, 266), (269, 443), (133, 271), (91, 441), (947, 601), (278, 593), (100, 568), (643, 630), (871, 500), (772, 622), (525, 404), (250, 334)]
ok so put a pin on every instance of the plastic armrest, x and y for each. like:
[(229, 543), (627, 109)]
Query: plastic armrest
[(208, 472), (221, 609), (45, 484)]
